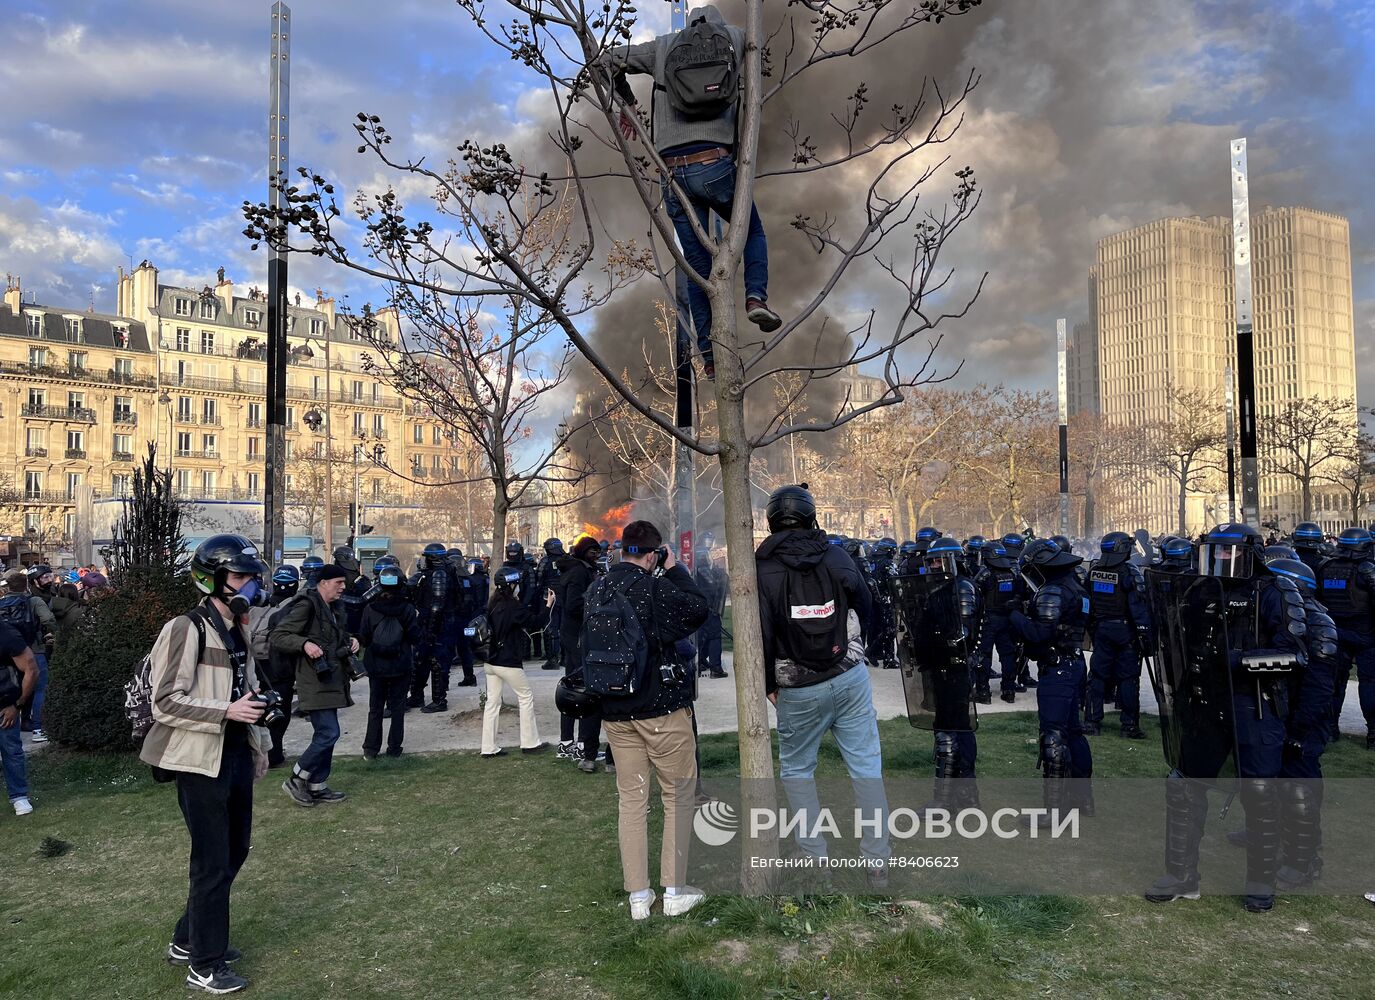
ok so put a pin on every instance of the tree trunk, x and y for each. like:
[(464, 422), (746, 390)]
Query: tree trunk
[(1307, 482), (909, 529), (501, 510)]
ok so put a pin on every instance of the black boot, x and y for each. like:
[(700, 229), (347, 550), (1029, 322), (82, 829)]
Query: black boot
[(947, 768), (1186, 805), (1301, 832), (1260, 798), (982, 694), (1055, 762)]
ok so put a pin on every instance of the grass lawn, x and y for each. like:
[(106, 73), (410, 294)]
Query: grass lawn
[(451, 876)]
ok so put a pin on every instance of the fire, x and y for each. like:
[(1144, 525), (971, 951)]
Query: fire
[(611, 522)]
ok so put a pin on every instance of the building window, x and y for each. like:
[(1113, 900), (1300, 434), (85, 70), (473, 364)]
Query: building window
[(319, 449), (252, 318), (121, 485), (290, 450), (184, 372), (184, 481), (76, 400), (36, 442), (438, 437), (418, 434), (358, 425), (182, 307), (76, 361), (121, 337), (183, 339), (124, 368), (290, 481), (208, 483), (317, 327), (183, 443), (210, 412), (435, 464), (207, 341), (73, 484), (357, 391), (33, 485), (37, 397), (255, 414), (34, 323), (73, 327), (207, 308), (38, 357), (185, 408), (76, 441), (255, 447), (379, 425), (69, 526), (254, 484), (208, 445), (124, 444)]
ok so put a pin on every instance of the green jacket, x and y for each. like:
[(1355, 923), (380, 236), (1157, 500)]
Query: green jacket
[(310, 619)]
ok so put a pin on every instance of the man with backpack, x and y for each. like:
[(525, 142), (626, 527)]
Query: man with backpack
[(695, 106), (811, 600), (18, 682), (389, 622), (32, 618), (202, 735), (632, 617)]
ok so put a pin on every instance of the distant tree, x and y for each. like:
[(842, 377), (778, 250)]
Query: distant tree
[(148, 534), (1305, 436), (1187, 447), (1352, 471)]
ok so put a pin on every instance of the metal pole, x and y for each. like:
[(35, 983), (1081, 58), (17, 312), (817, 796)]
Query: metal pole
[(1246, 362), (1231, 448), (279, 91), (356, 519), (1060, 348), (329, 452)]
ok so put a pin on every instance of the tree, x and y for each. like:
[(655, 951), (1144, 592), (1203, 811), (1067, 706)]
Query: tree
[(1303, 437), (1012, 454), (148, 535), (888, 162), (1352, 470), (1187, 447)]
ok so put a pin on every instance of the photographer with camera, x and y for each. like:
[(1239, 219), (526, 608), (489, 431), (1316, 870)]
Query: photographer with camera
[(632, 618), (313, 632), (204, 708)]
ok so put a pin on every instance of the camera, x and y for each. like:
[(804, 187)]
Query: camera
[(272, 707), (320, 665)]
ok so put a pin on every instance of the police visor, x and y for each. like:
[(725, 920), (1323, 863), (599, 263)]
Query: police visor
[(1226, 560)]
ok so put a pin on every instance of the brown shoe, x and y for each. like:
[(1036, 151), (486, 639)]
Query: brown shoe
[(757, 311)]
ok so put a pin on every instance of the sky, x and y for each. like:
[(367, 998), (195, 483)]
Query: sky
[(137, 128)]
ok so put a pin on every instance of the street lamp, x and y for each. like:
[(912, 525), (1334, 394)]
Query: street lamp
[(166, 402)]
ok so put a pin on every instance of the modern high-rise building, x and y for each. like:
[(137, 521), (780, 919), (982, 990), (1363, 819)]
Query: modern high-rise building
[(1164, 313), (1081, 360), (84, 393)]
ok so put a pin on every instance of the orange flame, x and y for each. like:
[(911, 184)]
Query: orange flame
[(611, 523)]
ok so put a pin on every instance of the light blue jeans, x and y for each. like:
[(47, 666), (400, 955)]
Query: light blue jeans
[(844, 706), (12, 757)]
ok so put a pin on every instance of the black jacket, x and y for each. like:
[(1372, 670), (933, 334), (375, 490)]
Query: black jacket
[(570, 588), (799, 549), (382, 607), (669, 607), (509, 620)]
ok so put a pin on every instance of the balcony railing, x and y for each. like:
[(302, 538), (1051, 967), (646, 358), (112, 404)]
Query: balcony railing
[(253, 423), (74, 413), (121, 456), (122, 417), (171, 380), (46, 496), (217, 493), (35, 452), (76, 373), (212, 453), (76, 452), (202, 420)]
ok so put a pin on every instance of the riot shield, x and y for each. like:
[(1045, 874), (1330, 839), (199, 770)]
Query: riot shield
[(1144, 552), (1191, 676), (934, 654)]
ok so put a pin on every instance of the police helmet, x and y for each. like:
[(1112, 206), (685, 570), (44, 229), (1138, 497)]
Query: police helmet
[(476, 566), (345, 556), (834, 539), (1175, 551), (285, 576), (1063, 542), (908, 548), (390, 578), (995, 555), (1296, 570), (515, 552), (1354, 543), (1116, 547), (1281, 551), (1042, 557), (383, 562), (942, 557), (39, 570), (553, 547), (791, 507), (507, 580), (1307, 535), (928, 534), (1231, 551), (434, 554), (218, 556), (975, 542), (1013, 542)]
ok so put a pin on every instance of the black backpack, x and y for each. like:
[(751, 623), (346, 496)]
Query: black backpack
[(615, 649), (388, 640), (478, 632), (701, 70), (16, 610), (816, 633)]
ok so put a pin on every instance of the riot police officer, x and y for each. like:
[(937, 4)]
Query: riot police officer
[(973, 554), (712, 582), (310, 571), (436, 600), (908, 560), (1021, 679), (481, 585), (1346, 585), (466, 608), (1001, 592), (881, 651), (1053, 630), (1310, 543), (355, 586), (1306, 734), (1121, 628), (545, 574), (1176, 555), (1237, 631)]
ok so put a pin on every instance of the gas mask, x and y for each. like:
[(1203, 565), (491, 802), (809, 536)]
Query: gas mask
[(249, 595)]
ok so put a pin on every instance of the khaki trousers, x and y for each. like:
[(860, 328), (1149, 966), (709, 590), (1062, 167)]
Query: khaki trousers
[(666, 745), (497, 678)]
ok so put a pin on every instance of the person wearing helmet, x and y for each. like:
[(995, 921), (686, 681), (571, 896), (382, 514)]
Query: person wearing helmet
[(510, 619), (42, 581), (436, 598), (386, 635), (204, 707), (1001, 591), (1306, 735), (1052, 628), (313, 633), (881, 651), (577, 571), (811, 603), (468, 608), (1176, 555), (1346, 587), (1120, 624), (515, 560), (1310, 543), (356, 585), (712, 582), (908, 561), (310, 571), (546, 574), (973, 554), (276, 670), (477, 573)]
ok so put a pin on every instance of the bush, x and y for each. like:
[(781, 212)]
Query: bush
[(96, 658)]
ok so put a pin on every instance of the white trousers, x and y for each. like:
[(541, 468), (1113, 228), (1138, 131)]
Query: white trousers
[(497, 679)]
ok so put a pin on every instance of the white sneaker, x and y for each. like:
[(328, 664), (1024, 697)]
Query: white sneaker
[(22, 806), (568, 751), (639, 908), (38, 736), (678, 903)]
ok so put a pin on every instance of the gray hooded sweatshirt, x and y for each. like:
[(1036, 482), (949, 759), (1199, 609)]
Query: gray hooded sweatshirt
[(671, 129)]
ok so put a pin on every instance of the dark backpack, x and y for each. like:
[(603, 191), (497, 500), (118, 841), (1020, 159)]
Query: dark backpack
[(816, 633), (138, 692), (16, 610), (615, 649), (701, 70), (388, 639), (478, 632)]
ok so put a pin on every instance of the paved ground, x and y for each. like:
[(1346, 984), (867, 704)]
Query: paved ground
[(461, 728)]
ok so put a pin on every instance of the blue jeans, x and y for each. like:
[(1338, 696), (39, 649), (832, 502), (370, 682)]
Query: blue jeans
[(710, 187), (12, 757), (844, 706), (33, 715), (315, 763)]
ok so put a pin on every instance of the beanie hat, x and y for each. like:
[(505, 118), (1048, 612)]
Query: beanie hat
[(332, 572)]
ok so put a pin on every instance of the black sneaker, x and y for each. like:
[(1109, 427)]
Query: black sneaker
[(537, 748), (394, 753), (299, 791), (1009, 697), (718, 674), (275, 760), (1259, 904), (220, 979), (1133, 733), (1029, 682), (415, 701), (177, 955), (1019, 687), (467, 682), (369, 754), (548, 665), (327, 794), (499, 752), (436, 706), (1167, 889)]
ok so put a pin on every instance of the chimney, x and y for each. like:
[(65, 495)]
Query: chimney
[(224, 290), (12, 296), (326, 306), (142, 299), (389, 322)]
